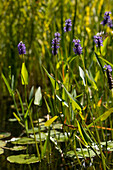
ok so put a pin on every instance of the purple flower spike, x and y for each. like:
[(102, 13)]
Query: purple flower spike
[(21, 48), (68, 25), (98, 41), (107, 67), (107, 20), (55, 46), (57, 35), (77, 47)]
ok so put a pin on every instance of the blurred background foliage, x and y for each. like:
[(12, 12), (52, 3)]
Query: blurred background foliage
[(35, 22)]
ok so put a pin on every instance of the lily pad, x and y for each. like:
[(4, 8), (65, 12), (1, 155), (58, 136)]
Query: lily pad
[(57, 126), (86, 152), (24, 141), (1, 151), (43, 136), (23, 159), (2, 143), (60, 137), (4, 135), (42, 128), (18, 148)]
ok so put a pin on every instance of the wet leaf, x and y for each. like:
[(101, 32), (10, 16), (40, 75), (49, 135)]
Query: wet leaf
[(86, 152), (2, 143), (57, 126), (43, 136), (24, 141), (23, 159), (1, 151), (4, 135)]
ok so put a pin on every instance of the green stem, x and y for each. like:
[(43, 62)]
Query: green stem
[(37, 149)]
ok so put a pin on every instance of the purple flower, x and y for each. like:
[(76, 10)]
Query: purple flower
[(107, 67), (77, 47), (107, 20), (68, 25), (21, 48), (55, 46), (57, 35), (98, 41)]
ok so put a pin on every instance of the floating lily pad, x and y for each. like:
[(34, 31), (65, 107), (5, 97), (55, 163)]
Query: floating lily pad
[(54, 133), (43, 136), (1, 151), (18, 148), (2, 143), (57, 126), (12, 119), (61, 137), (4, 135), (86, 152), (23, 159), (24, 141), (36, 129)]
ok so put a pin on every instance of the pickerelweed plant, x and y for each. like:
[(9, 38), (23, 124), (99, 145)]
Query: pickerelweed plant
[(73, 100), (75, 115)]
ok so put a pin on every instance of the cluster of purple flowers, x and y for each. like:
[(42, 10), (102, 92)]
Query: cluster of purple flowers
[(21, 48), (55, 43), (107, 67), (98, 41), (77, 47), (68, 25), (107, 20)]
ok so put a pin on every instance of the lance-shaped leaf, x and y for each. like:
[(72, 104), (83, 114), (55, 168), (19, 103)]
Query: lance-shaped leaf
[(104, 47), (50, 121), (83, 134), (75, 103), (24, 75), (38, 97), (52, 79), (82, 75), (106, 114), (7, 84)]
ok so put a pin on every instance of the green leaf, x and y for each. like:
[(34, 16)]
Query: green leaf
[(83, 134), (24, 75), (31, 93), (23, 159), (23, 141), (1, 151), (102, 117), (104, 47), (106, 114), (38, 97), (99, 62), (4, 135), (91, 80), (63, 101), (50, 121), (48, 108), (42, 136), (105, 61), (7, 84), (75, 103), (82, 75), (52, 79), (2, 143)]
